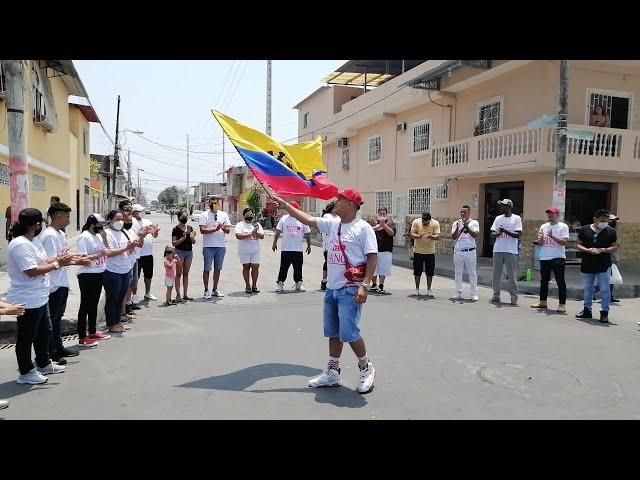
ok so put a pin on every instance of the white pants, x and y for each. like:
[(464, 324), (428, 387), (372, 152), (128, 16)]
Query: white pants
[(462, 261)]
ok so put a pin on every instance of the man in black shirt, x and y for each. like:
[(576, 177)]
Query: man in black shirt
[(385, 231), (597, 242)]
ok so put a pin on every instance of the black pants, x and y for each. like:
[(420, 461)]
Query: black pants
[(324, 265), (34, 328), (557, 266), (288, 258), (90, 289), (57, 306)]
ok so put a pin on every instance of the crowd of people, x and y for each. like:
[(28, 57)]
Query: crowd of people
[(113, 252)]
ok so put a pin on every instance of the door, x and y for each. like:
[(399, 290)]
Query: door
[(494, 192)]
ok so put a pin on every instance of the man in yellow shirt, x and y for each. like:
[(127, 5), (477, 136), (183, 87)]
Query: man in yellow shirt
[(424, 231)]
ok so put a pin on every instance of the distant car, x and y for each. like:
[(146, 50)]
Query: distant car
[(147, 211), (195, 216)]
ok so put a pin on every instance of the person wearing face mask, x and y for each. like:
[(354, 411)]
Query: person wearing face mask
[(145, 259), (118, 265), (182, 238), (248, 233), (385, 231), (131, 230), (90, 280), (28, 267), (597, 242), (214, 227)]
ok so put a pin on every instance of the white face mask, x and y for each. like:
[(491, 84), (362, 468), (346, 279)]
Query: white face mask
[(602, 225), (382, 217), (117, 225)]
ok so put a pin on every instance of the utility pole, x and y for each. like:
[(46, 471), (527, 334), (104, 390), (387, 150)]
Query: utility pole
[(18, 164), (187, 172), (138, 195), (268, 97), (115, 154), (223, 161), (129, 186), (560, 184)]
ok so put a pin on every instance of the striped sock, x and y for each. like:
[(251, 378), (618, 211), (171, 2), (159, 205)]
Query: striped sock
[(334, 364)]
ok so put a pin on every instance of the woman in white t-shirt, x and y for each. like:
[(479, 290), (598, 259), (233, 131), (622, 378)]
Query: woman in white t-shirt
[(90, 278), (326, 213), (118, 267), (249, 233)]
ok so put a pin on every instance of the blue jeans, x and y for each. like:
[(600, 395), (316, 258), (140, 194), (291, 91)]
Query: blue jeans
[(115, 289), (602, 279), (341, 314)]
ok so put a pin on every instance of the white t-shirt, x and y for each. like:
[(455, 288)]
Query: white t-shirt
[(465, 240), (54, 243), (324, 236), (119, 263), (209, 219), (147, 247), (292, 233), (550, 248), (132, 233), (250, 245), (505, 243), (23, 255), (91, 244), (358, 239)]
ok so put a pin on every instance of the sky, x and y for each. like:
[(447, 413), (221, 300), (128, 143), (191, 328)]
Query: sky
[(169, 99)]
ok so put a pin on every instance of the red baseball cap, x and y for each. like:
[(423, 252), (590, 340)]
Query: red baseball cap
[(552, 210), (352, 195), (295, 204)]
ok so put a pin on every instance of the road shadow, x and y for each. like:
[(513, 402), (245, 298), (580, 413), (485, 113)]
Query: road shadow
[(242, 380), (595, 322), (12, 389), (549, 312), (420, 297)]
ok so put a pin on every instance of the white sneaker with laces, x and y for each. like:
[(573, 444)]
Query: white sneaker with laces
[(300, 287), (150, 296), (430, 293), (280, 287), (207, 295), (53, 367), (32, 378), (328, 378), (135, 300), (367, 375), (475, 298), (216, 293)]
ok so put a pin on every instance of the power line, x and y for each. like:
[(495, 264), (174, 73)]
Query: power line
[(228, 104)]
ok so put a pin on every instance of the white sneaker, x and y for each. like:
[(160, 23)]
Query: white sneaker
[(475, 298), (300, 287), (4, 404), (417, 292), (207, 295), (216, 293), (53, 367), (32, 378), (280, 287), (328, 378), (457, 296), (150, 296), (430, 293), (135, 300), (367, 376)]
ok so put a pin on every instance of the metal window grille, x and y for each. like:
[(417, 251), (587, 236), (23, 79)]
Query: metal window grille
[(605, 101), (419, 200), (384, 199), (305, 120), (4, 174), (38, 183), (345, 159), (313, 205), (489, 118), (420, 137), (375, 150), (440, 192)]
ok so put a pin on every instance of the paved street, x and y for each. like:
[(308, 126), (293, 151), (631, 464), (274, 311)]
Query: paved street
[(249, 357)]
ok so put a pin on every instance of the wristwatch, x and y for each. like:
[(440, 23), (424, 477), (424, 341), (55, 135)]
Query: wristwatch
[(367, 286), (56, 265)]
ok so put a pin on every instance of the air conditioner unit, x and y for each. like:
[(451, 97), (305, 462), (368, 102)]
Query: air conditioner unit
[(343, 142), (401, 127)]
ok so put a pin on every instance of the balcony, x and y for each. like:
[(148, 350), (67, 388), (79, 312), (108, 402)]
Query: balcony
[(534, 150)]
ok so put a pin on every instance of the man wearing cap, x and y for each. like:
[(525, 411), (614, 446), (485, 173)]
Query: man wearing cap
[(351, 261), (552, 238), (424, 231), (292, 231), (506, 230), (465, 231), (145, 261), (214, 227)]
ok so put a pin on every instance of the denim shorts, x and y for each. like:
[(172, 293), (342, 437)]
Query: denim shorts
[(341, 314), (184, 255), (215, 256)]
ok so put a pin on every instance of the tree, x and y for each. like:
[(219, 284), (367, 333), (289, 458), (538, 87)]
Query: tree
[(169, 196), (254, 201)]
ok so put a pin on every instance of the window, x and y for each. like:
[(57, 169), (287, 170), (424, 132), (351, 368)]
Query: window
[(440, 192), (419, 200), (38, 183), (488, 117), (85, 141), (615, 108), (384, 199), (305, 120), (420, 133), (4, 174), (375, 149), (313, 205), (39, 107), (345, 159)]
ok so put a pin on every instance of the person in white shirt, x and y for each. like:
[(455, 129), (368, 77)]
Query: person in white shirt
[(54, 241), (465, 231), (248, 234), (552, 238), (28, 267), (214, 227), (326, 213), (506, 230), (292, 231), (352, 257), (145, 261)]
